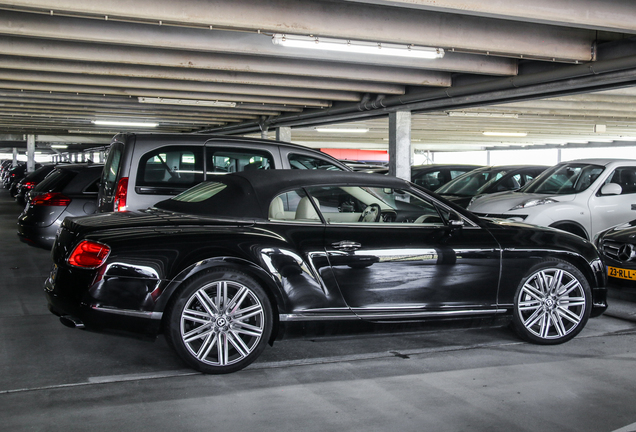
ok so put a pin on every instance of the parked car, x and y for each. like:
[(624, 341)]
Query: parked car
[(229, 265), (583, 197), (488, 180), (143, 169), (69, 190), (618, 248), (434, 176), (30, 181)]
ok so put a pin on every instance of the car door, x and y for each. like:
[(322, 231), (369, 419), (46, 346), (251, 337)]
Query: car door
[(409, 262), (609, 210)]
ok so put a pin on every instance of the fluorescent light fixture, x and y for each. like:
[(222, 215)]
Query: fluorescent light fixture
[(361, 47), (122, 123), (59, 146), (506, 134), (342, 130), (193, 102), (481, 114)]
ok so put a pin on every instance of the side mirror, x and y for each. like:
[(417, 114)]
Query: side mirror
[(611, 189), (455, 222)]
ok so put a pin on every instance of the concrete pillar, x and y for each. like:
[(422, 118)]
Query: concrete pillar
[(30, 153), (15, 155), (283, 134), (400, 144), (487, 157), (558, 155)]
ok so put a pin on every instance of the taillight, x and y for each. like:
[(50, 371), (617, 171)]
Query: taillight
[(28, 185), (51, 199), (88, 254), (120, 194)]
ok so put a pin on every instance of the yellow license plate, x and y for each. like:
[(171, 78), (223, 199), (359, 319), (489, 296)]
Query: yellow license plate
[(621, 273)]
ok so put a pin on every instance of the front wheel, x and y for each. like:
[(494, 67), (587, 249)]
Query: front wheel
[(220, 321), (552, 304)]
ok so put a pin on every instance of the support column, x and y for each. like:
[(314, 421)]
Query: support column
[(400, 144), (15, 156), (30, 153), (283, 134)]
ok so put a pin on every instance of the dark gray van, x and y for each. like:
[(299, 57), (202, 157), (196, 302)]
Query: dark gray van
[(144, 168)]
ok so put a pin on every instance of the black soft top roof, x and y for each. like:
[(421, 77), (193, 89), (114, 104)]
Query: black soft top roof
[(249, 193)]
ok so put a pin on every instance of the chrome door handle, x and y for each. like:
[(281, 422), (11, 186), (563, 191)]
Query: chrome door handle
[(346, 245)]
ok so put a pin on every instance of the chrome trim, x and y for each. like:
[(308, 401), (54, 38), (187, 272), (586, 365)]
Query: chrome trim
[(128, 312), (360, 313), (426, 314)]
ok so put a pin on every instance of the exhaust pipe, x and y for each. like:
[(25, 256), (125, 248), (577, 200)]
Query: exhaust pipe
[(72, 322)]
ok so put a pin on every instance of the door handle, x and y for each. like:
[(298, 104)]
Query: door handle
[(346, 245)]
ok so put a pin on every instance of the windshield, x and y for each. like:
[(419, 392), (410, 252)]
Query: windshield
[(565, 179), (472, 183)]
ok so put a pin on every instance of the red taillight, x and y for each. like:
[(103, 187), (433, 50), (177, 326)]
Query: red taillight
[(28, 185), (120, 194), (51, 199), (89, 254)]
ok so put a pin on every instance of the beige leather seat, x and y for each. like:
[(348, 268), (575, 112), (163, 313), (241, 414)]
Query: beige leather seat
[(306, 211), (277, 209)]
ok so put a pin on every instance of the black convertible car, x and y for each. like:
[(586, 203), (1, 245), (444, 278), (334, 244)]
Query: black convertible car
[(227, 266)]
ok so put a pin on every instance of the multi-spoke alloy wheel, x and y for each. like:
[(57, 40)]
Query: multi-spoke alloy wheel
[(552, 304), (221, 322)]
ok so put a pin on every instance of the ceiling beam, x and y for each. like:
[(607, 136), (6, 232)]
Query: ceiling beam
[(345, 20), (608, 15), (101, 53), (219, 41)]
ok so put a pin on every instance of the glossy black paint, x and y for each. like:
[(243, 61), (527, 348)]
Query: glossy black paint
[(401, 271)]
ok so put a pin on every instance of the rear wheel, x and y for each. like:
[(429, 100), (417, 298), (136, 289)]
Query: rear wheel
[(552, 304), (220, 322)]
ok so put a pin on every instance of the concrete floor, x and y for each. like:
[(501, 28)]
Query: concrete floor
[(53, 378)]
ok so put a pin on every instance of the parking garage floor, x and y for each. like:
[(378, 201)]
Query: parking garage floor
[(53, 378)]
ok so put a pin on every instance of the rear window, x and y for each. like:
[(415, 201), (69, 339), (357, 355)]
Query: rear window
[(308, 162), (55, 182), (111, 168)]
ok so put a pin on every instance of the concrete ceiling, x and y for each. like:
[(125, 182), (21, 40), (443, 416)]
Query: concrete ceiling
[(560, 71)]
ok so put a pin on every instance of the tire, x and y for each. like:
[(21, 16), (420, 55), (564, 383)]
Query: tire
[(219, 322), (552, 304)]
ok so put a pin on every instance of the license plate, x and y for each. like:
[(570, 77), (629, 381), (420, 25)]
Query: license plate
[(621, 273)]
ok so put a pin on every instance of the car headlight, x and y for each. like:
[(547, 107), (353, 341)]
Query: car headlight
[(534, 203)]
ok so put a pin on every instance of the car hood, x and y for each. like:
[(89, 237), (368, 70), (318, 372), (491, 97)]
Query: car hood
[(623, 233), (502, 202)]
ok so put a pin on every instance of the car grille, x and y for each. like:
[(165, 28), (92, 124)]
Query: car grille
[(618, 251), (500, 216)]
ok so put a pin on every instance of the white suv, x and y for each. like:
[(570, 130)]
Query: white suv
[(583, 197)]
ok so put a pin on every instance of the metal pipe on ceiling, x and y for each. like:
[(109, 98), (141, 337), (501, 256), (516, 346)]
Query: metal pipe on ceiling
[(348, 21), (615, 72)]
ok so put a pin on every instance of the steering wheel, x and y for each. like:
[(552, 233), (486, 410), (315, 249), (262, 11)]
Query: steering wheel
[(372, 213)]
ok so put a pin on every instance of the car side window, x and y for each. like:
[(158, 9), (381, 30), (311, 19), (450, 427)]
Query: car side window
[(430, 180), (455, 173), (354, 205), (625, 177), (229, 160), (171, 166), (297, 161), (295, 206), (111, 168)]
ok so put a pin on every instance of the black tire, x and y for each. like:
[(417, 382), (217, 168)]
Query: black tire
[(210, 331), (552, 303)]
